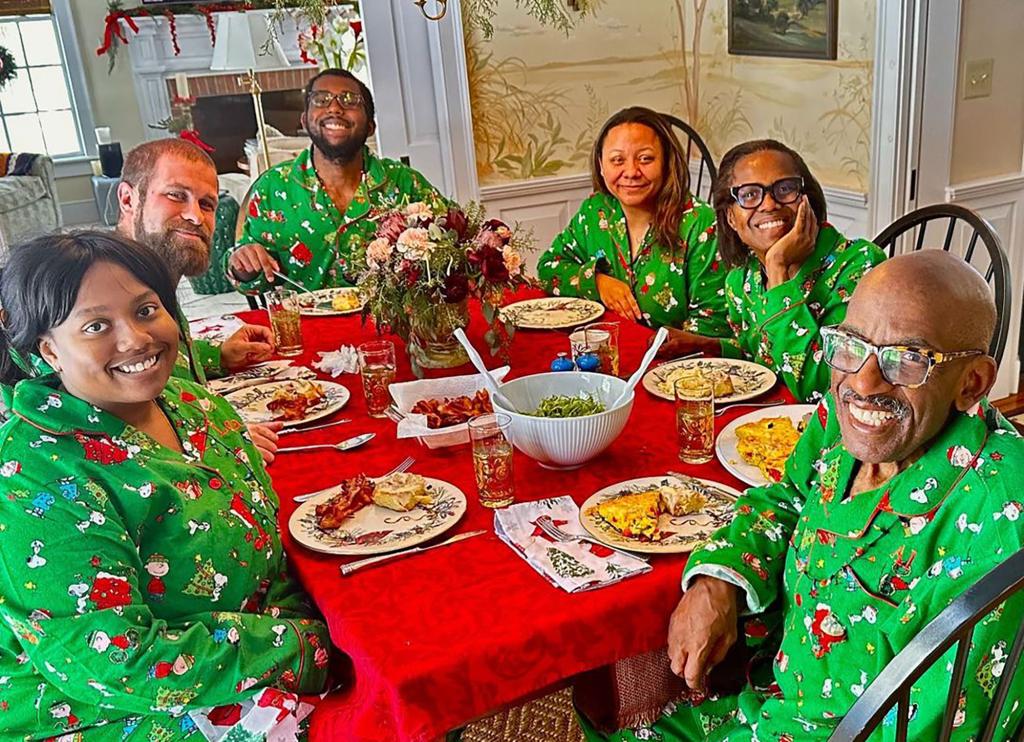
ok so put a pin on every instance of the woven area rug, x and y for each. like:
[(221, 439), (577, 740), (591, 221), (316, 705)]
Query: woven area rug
[(548, 719)]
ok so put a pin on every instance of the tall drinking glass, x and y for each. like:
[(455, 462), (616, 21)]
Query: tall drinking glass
[(492, 459), (377, 371), (283, 308), (603, 340), (695, 419)]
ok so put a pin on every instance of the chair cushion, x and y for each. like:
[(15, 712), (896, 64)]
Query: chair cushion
[(20, 191)]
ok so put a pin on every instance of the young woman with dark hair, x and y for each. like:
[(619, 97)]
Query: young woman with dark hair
[(792, 272), (641, 244), (144, 581)]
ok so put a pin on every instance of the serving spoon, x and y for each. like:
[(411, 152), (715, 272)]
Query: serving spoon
[(659, 337), (478, 363)]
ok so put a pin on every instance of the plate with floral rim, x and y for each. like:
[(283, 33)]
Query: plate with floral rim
[(677, 533), (552, 313), (321, 302), (378, 530), (748, 379)]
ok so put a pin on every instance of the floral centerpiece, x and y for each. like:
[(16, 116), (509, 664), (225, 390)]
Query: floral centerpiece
[(422, 267), (338, 43)]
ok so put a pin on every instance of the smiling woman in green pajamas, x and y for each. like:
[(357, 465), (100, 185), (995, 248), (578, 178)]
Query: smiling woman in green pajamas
[(144, 592)]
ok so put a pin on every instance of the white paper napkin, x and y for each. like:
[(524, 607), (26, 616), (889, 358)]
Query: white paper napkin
[(408, 393), (345, 360), (574, 566)]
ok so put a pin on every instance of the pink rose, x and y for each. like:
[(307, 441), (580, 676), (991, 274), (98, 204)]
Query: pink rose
[(489, 239), (415, 244), (378, 252), (513, 260)]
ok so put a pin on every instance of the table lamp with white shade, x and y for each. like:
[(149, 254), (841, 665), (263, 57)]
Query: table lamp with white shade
[(245, 42)]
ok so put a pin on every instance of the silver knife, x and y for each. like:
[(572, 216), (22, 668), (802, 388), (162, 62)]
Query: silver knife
[(315, 427), (347, 569)]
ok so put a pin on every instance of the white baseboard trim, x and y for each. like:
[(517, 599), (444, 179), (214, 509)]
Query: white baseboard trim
[(79, 212)]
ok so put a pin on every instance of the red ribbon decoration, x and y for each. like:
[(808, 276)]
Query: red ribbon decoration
[(112, 28), (191, 135)]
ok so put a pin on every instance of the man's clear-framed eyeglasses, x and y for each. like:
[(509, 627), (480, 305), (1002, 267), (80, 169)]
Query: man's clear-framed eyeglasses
[(347, 99), (901, 365), (784, 191)]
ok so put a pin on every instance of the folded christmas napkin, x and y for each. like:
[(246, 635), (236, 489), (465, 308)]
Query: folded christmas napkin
[(574, 566), (215, 329)]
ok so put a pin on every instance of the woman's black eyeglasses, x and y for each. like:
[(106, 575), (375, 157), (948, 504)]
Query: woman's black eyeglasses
[(784, 191)]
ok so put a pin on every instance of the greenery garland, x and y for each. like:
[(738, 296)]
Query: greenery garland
[(8, 67)]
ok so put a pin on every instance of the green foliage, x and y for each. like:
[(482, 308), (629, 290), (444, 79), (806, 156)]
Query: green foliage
[(8, 67)]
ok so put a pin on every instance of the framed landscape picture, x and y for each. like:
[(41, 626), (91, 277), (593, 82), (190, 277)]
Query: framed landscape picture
[(784, 28)]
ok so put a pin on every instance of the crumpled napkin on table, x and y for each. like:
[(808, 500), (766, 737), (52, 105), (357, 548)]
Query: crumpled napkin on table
[(574, 566), (345, 360)]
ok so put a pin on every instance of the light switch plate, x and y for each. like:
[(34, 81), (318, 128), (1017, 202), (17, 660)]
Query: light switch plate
[(978, 78)]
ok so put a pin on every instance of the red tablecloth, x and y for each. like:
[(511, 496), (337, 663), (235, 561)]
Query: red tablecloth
[(441, 638)]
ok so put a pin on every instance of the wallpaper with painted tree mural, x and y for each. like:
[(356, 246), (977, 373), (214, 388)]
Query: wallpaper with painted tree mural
[(539, 96)]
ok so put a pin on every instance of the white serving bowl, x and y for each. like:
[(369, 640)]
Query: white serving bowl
[(565, 443)]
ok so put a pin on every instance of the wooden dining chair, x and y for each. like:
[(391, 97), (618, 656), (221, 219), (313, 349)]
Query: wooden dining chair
[(954, 626), (918, 229), (243, 211), (706, 169)]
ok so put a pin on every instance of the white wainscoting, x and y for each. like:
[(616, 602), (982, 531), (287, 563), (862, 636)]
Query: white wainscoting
[(1001, 202), (545, 205)]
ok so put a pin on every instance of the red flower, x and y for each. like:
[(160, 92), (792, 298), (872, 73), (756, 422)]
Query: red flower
[(456, 287), (357, 27), (391, 227), (493, 267), (455, 220)]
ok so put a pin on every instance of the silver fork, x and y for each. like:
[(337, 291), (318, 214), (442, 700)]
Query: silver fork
[(772, 403), (404, 466), (548, 526)]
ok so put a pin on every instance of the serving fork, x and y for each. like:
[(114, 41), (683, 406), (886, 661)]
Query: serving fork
[(404, 466), (547, 525)]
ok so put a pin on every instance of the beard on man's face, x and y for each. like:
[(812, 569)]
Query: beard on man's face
[(184, 256), (340, 152)]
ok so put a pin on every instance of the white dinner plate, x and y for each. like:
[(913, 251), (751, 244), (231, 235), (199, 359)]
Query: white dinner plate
[(679, 533), (318, 303), (726, 446), (749, 379), (377, 530), (251, 402), (552, 313)]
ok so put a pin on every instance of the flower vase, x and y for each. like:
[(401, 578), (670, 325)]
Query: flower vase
[(432, 342)]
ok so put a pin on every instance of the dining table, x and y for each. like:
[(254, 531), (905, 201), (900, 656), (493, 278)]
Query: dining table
[(438, 639)]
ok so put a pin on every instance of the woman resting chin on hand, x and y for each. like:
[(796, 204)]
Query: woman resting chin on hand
[(145, 582), (792, 272)]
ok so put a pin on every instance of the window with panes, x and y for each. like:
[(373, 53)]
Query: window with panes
[(37, 111)]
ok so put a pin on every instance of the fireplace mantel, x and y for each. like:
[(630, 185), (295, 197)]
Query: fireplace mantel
[(154, 65)]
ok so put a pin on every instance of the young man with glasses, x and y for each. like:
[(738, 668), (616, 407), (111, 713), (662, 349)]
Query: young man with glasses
[(792, 272), (306, 217), (903, 491)]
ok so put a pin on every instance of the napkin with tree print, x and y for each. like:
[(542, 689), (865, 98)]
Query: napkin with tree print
[(574, 566)]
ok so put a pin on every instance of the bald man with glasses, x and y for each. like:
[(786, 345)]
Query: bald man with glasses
[(902, 492)]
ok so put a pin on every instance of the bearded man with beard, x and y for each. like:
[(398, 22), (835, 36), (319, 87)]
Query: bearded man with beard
[(306, 217), (903, 491), (168, 201)]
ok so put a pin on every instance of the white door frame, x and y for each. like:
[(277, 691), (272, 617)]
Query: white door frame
[(914, 106)]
